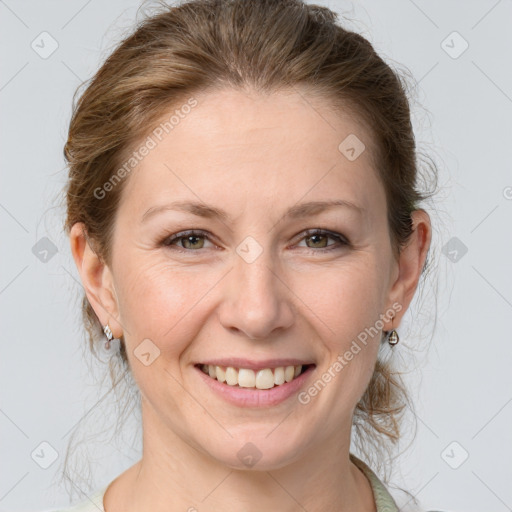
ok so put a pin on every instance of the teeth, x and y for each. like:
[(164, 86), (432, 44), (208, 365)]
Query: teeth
[(221, 374), (264, 379), (246, 378), (279, 376), (231, 375)]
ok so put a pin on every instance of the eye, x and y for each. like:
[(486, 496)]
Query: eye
[(193, 240), (319, 239), (189, 240)]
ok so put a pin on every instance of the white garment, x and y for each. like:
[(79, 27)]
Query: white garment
[(93, 504)]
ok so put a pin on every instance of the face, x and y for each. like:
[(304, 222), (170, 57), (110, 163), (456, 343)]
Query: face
[(254, 284)]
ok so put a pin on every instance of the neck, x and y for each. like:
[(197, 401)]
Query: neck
[(180, 477)]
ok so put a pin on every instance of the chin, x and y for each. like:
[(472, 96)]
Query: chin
[(256, 452)]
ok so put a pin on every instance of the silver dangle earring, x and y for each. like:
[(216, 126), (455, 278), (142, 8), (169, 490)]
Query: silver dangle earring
[(109, 335), (393, 338)]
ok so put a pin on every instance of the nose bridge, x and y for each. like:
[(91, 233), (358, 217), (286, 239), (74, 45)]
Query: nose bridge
[(257, 301)]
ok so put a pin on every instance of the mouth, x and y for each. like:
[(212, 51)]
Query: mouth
[(260, 379)]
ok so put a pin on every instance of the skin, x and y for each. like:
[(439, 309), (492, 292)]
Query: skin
[(253, 156)]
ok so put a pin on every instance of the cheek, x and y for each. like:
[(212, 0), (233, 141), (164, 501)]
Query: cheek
[(155, 298), (345, 305), (344, 300), (157, 303)]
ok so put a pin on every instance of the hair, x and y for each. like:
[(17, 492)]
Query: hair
[(265, 46)]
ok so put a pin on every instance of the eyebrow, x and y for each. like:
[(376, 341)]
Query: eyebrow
[(295, 212)]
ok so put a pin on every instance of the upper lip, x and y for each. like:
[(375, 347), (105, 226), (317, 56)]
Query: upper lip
[(239, 362)]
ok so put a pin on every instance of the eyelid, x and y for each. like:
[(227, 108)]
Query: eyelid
[(324, 232), (341, 239), (183, 234)]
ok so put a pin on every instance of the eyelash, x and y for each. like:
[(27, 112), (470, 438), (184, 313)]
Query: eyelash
[(167, 242)]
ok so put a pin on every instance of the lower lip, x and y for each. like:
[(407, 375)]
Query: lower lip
[(252, 397)]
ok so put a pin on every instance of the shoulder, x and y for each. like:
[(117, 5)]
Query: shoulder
[(389, 500), (94, 503), (406, 503)]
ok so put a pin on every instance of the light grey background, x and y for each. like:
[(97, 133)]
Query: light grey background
[(463, 386)]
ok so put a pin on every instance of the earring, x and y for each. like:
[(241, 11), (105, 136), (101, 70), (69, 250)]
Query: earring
[(109, 335), (393, 338)]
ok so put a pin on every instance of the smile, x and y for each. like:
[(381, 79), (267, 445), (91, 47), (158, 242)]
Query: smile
[(265, 378)]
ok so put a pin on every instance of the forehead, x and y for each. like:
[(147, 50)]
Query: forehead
[(257, 147)]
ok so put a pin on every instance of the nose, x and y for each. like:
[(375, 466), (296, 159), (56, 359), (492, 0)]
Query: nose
[(257, 302)]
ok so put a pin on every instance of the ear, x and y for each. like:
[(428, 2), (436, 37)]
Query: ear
[(96, 278), (410, 265)]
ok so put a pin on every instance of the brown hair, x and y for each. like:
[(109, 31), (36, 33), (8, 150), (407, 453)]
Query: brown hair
[(265, 45)]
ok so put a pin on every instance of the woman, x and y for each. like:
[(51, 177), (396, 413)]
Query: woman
[(243, 213)]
